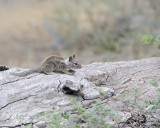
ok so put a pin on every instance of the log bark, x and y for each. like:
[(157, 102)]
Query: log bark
[(21, 98)]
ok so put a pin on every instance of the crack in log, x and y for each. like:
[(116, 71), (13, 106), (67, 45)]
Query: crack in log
[(137, 72), (132, 75), (122, 77), (110, 76), (107, 78), (144, 71), (129, 79), (58, 88), (145, 92), (16, 101), (116, 70), (6, 119), (126, 81), (19, 125), (11, 81), (18, 80)]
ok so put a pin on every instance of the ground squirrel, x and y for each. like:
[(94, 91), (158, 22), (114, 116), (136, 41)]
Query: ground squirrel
[(54, 64)]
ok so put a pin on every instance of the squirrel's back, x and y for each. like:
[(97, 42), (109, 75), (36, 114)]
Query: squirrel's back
[(47, 66)]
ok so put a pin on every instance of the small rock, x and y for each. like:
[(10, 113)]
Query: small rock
[(34, 126), (35, 121), (149, 107), (87, 103), (41, 124), (157, 113)]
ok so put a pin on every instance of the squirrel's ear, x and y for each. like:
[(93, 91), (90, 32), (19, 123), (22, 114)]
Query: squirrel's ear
[(70, 58), (74, 56)]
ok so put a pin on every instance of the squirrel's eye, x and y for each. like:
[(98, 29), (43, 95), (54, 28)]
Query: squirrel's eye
[(75, 63)]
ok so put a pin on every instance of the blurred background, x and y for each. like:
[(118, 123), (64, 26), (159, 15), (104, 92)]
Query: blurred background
[(94, 30)]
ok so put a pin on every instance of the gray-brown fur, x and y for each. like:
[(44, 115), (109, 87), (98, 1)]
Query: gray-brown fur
[(55, 64)]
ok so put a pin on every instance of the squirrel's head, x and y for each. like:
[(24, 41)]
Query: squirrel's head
[(73, 63)]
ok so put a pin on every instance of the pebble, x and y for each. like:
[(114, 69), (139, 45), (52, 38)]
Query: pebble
[(41, 124)]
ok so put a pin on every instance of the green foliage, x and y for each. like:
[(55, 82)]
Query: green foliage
[(147, 102), (134, 103), (157, 100), (55, 120), (94, 116), (154, 83), (151, 39)]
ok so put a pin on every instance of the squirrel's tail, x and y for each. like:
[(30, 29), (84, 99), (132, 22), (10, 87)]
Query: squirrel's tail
[(3, 68), (25, 73)]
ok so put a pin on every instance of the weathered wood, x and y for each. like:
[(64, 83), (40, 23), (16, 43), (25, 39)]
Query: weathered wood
[(21, 98)]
